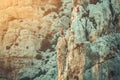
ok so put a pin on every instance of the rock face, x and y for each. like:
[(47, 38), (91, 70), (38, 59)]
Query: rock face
[(31, 22), (88, 39), (28, 33), (90, 48)]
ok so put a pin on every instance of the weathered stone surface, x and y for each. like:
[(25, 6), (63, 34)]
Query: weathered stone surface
[(92, 42), (87, 47), (28, 28), (102, 59)]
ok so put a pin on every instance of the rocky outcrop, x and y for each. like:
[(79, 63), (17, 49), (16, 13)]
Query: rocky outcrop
[(29, 28), (88, 39), (90, 48), (31, 22)]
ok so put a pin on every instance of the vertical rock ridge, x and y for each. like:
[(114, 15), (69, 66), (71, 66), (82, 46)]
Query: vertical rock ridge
[(91, 47)]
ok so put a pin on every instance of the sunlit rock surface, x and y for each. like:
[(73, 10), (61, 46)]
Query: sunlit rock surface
[(90, 47), (59, 39), (28, 35)]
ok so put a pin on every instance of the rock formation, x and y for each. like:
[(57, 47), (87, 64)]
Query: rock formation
[(59, 39), (28, 34), (90, 48)]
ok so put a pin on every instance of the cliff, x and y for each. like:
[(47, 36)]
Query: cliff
[(28, 33), (59, 39), (90, 48)]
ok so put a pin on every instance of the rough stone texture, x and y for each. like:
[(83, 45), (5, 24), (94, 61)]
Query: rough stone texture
[(102, 59), (42, 68), (29, 28), (90, 48), (88, 43), (29, 23)]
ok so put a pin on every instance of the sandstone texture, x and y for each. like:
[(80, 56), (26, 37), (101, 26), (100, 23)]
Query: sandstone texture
[(28, 35)]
